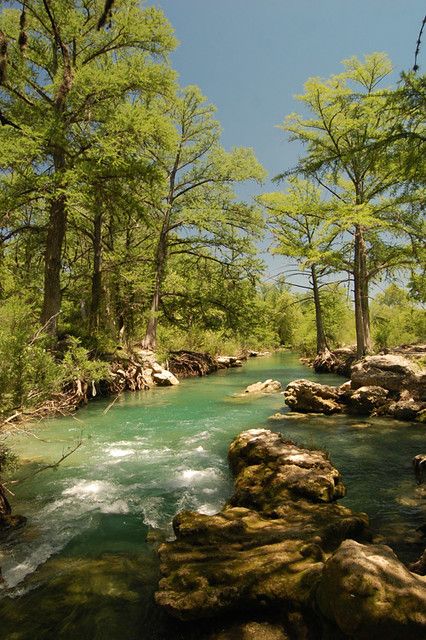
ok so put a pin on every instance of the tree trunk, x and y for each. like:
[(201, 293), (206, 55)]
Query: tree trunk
[(362, 320), (365, 304), (95, 306), (150, 339), (53, 255), (321, 339)]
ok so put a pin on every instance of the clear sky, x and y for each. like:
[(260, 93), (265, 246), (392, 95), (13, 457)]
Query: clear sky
[(251, 56)]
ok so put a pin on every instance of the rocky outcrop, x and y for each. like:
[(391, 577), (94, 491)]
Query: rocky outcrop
[(306, 396), (283, 545), (367, 399), (229, 362), (269, 543), (269, 386), (386, 385), (369, 594), (392, 372)]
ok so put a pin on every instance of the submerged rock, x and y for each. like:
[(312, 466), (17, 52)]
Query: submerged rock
[(268, 544), (307, 396), (369, 594), (269, 386)]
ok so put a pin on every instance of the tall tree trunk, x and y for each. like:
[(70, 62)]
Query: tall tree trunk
[(150, 339), (362, 321), (53, 254), (321, 339), (95, 305), (365, 304)]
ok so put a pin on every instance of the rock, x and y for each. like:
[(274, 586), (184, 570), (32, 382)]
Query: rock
[(410, 409), (165, 378), (369, 594), (391, 372), (258, 354), (157, 368), (269, 543), (252, 631), (366, 400), (269, 386), (419, 464), (307, 396), (226, 362), (419, 566)]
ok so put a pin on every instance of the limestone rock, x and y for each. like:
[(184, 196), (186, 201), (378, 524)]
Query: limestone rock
[(408, 409), (419, 566), (269, 543), (269, 386), (366, 400), (369, 594), (391, 372), (307, 396), (228, 362), (252, 631), (165, 378)]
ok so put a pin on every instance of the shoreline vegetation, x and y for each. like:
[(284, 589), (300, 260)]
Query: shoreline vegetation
[(128, 260)]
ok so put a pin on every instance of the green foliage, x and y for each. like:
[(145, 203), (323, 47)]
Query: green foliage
[(396, 319), (28, 373), (77, 365)]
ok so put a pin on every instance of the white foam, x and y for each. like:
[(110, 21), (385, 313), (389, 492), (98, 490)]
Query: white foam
[(189, 477), (121, 453)]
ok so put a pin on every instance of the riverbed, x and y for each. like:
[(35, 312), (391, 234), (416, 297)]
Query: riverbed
[(85, 564)]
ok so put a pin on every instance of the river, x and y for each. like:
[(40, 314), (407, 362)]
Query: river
[(85, 565)]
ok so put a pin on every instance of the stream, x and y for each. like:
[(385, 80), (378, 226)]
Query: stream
[(84, 567)]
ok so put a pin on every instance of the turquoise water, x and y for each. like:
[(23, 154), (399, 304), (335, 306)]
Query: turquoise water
[(83, 566)]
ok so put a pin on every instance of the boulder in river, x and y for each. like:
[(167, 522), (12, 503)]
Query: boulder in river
[(268, 545), (269, 386), (385, 385), (165, 378), (369, 594), (391, 372), (367, 399), (306, 396)]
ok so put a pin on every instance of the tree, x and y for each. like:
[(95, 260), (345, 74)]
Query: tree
[(65, 78), (191, 206), (299, 220), (346, 153)]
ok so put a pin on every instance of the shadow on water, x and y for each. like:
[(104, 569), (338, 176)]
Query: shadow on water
[(82, 568)]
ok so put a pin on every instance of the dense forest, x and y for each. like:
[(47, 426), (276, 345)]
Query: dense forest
[(120, 222)]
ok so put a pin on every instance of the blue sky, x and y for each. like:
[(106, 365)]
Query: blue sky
[(251, 56)]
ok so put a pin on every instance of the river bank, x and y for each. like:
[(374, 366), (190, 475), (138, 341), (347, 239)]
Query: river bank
[(85, 564)]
